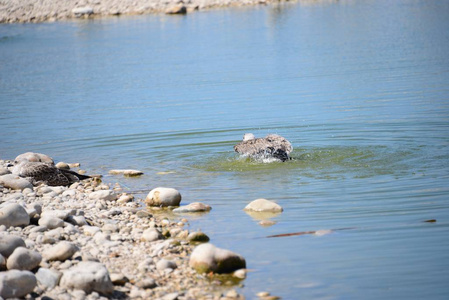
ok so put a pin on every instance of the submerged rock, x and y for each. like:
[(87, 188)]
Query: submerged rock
[(162, 196), (263, 205), (193, 207), (208, 258)]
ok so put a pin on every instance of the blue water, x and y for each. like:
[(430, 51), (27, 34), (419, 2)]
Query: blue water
[(360, 88)]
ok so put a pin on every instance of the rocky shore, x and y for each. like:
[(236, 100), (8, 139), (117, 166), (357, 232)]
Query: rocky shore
[(52, 10), (91, 240)]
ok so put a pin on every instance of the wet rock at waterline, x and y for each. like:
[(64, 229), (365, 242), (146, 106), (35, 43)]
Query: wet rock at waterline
[(34, 157), (162, 196), (89, 277), (192, 208), (16, 284), (14, 215), (263, 205), (128, 172), (198, 236), (208, 258)]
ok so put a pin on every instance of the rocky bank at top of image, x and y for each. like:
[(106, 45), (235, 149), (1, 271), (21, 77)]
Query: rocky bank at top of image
[(90, 240), (53, 10)]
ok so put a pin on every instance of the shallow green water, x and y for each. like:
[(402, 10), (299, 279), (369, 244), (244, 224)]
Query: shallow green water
[(360, 88)]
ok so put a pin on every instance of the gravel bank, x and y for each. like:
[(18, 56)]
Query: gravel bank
[(52, 10), (90, 240)]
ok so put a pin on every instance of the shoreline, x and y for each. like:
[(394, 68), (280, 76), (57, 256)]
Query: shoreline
[(143, 253), (30, 11)]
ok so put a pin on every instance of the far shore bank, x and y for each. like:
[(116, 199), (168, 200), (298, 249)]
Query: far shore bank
[(30, 11)]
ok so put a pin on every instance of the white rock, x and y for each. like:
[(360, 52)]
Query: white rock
[(107, 195), (8, 243), (162, 196), (51, 222), (34, 157), (80, 11), (193, 207), (15, 182), (263, 205), (14, 215), (207, 258), (23, 259), (151, 235), (77, 220), (61, 251), (16, 284), (165, 264), (4, 171), (91, 230), (48, 278), (127, 172), (89, 277)]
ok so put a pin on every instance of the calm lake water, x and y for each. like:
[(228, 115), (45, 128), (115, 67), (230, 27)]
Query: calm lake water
[(360, 88)]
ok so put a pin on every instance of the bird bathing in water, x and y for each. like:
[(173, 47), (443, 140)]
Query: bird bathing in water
[(272, 146)]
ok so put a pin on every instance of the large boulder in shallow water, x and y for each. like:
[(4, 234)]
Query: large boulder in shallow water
[(263, 205), (162, 196), (207, 258)]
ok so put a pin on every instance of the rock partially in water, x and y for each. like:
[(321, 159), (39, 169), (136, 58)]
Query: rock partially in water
[(127, 172), (15, 182), (198, 236), (179, 9), (82, 11), (263, 205), (61, 251), (23, 259), (207, 258), (89, 277), (14, 215), (193, 207), (16, 284), (63, 166), (48, 278), (162, 196), (8, 243)]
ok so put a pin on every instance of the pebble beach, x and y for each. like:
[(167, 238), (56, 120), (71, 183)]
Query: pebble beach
[(53, 10), (91, 240)]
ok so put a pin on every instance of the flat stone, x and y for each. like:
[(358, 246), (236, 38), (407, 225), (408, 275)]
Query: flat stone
[(192, 208), (207, 258), (16, 284), (107, 195), (48, 278), (15, 182), (263, 205), (8, 243), (127, 172), (23, 259), (88, 276), (61, 251), (162, 196), (14, 215)]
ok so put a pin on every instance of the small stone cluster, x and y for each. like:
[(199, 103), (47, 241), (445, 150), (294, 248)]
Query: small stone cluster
[(90, 240)]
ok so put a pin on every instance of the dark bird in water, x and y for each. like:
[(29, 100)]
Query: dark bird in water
[(271, 146), (41, 172)]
